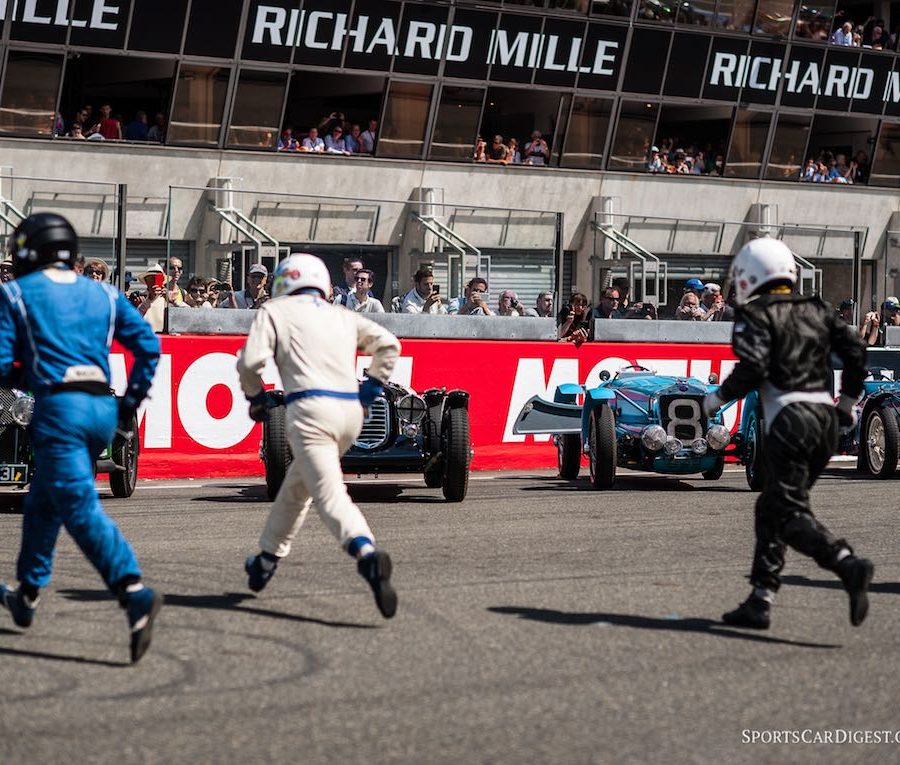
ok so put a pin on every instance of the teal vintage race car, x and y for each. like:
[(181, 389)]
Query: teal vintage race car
[(119, 459), (637, 420)]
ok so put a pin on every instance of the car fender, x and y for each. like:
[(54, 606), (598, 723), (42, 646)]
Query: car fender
[(593, 399)]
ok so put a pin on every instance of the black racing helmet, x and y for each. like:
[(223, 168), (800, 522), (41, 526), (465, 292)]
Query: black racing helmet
[(42, 240)]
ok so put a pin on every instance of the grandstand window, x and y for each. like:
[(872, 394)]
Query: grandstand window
[(517, 113), (646, 60), (655, 10), (213, 27), (158, 26), (586, 136), (456, 125), (737, 15), (199, 103), (634, 136), (699, 132), (788, 153), (843, 140), (773, 17), (748, 142), (611, 8), (130, 85), (30, 90), (314, 96), (815, 20), (256, 113), (405, 117), (699, 13), (886, 167)]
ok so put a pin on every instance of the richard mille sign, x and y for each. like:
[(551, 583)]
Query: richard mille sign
[(97, 14)]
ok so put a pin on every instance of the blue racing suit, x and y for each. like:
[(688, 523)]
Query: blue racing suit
[(60, 326)]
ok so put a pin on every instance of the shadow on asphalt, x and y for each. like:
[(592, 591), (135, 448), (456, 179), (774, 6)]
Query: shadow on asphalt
[(703, 626), (628, 483), (253, 492), (886, 588), (4, 651), (358, 492), (227, 601)]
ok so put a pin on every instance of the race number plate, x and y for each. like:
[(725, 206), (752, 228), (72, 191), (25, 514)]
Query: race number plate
[(13, 474)]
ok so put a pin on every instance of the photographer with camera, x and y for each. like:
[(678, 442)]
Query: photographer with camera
[(689, 308), (576, 324), (872, 330), (425, 296), (474, 300), (508, 304)]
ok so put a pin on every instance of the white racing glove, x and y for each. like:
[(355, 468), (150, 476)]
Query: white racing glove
[(712, 403), (847, 412)]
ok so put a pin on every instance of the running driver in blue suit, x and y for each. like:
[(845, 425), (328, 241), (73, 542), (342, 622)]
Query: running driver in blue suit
[(59, 326)]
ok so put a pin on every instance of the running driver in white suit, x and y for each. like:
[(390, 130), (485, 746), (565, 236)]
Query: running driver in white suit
[(314, 345)]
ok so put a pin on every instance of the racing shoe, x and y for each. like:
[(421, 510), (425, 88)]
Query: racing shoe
[(375, 568), (753, 613), (856, 574), (142, 607), (258, 576), (19, 605)]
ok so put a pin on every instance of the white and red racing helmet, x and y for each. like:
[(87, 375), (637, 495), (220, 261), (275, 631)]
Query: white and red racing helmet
[(761, 262), (300, 270)]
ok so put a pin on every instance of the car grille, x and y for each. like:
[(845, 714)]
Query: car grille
[(376, 428), (6, 400), (682, 417)]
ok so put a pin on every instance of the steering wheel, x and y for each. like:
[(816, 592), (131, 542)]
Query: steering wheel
[(638, 367)]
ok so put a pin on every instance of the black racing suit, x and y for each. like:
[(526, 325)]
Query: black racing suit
[(783, 343)]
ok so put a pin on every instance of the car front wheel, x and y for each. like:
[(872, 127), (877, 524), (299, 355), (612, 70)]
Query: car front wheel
[(568, 455), (602, 448), (125, 455), (277, 450), (879, 443)]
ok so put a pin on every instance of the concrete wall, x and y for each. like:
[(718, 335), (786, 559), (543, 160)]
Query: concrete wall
[(150, 170)]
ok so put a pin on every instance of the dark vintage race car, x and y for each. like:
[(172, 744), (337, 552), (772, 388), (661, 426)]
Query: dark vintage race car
[(403, 432), (119, 459), (874, 441), (637, 420)]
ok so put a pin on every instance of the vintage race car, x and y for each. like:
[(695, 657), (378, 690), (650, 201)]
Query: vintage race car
[(874, 441), (403, 432), (637, 420), (119, 459)]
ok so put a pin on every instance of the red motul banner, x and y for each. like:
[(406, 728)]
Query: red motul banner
[(195, 423)]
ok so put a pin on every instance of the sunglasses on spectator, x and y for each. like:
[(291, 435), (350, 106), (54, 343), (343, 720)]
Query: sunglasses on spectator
[(362, 278), (6, 268), (176, 268), (196, 291)]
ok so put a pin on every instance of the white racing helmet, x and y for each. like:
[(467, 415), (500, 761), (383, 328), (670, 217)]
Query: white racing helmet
[(299, 270), (760, 263)]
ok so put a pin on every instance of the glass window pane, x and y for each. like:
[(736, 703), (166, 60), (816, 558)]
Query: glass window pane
[(788, 147), (30, 88), (405, 116), (657, 10), (634, 136), (814, 21), (199, 102), (699, 13), (773, 17), (611, 8), (736, 14), (457, 123), (586, 136), (840, 147), (748, 142), (529, 116), (886, 170), (692, 139), (257, 109)]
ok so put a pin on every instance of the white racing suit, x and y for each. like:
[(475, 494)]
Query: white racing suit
[(314, 345)]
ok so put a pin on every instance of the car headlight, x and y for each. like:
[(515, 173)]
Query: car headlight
[(673, 446), (699, 447), (411, 408), (410, 429), (22, 410), (653, 437), (718, 437)]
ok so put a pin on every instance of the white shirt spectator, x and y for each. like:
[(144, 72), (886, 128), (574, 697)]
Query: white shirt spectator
[(314, 144), (368, 305), (413, 302), (843, 36), (367, 138)]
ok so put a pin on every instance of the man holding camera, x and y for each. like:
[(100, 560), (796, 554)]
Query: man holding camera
[(474, 300), (255, 294), (425, 296), (508, 304)]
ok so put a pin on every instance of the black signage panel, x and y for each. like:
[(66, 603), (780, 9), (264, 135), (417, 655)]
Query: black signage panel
[(891, 91), (801, 77), (272, 29), (726, 69), (646, 61), (99, 23), (602, 56), (423, 35), (372, 36), (840, 79), (687, 64), (158, 25), (42, 21), (468, 44), (322, 33), (213, 27), (561, 49), (515, 48), (763, 73), (871, 87)]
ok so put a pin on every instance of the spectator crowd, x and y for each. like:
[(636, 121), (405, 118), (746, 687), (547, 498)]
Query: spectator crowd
[(333, 134), (108, 125)]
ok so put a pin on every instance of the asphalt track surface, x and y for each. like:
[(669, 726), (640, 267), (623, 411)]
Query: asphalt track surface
[(539, 622)]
